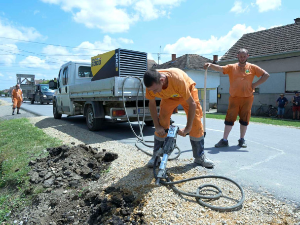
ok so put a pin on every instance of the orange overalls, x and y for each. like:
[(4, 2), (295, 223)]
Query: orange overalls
[(180, 88), (17, 98), (241, 92)]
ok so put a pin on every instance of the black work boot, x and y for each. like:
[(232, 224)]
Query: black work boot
[(198, 154), (158, 143)]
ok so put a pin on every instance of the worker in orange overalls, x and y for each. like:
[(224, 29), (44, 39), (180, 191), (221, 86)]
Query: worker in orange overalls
[(17, 98), (241, 90), (175, 87)]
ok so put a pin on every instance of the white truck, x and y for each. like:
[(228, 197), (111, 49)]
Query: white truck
[(100, 90)]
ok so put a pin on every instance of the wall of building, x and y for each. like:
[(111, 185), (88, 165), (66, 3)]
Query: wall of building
[(213, 81)]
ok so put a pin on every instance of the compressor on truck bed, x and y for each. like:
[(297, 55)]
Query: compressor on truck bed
[(100, 91)]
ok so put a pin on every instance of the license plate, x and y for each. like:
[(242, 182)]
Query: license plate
[(141, 111)]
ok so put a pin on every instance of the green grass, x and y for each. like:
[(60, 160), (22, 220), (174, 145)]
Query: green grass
[(20, 143), (265, 120)]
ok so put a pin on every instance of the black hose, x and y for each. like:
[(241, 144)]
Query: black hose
[(197, 194)]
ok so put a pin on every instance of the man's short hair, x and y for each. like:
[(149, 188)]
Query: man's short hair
[(243, 50), (150, 77)]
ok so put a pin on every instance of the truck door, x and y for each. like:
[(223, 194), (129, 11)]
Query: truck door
[(64, 90)]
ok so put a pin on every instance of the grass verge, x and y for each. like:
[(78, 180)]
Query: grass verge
[(20, 142), (265, 120)]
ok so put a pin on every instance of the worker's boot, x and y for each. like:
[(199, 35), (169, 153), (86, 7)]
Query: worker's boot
[(158, 143), (198, 154), (13, 112)]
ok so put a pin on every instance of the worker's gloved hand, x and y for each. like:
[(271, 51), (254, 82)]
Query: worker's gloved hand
[(160, 131)]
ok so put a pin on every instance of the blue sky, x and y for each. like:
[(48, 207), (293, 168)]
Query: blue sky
[(38, 36)]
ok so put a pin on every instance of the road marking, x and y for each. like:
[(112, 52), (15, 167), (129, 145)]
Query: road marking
[(280, 152)]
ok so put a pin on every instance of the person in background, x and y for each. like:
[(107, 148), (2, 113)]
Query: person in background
[(296, 105), (281, 103), (241, 75), (173, 86), (17, 98)]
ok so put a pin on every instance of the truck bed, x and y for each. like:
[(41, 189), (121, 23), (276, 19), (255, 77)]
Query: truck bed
[(107, 88)]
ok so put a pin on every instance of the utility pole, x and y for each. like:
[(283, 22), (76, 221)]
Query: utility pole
[(158, 55)]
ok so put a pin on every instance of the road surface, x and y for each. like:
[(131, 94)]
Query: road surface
[(269, 163)]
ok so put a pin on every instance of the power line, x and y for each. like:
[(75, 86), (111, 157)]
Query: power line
[(42, 43)]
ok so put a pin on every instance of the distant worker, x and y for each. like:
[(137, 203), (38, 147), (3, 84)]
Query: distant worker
[(173, 86), (17, 98), (241, 90), (296, 105), (281, 103)]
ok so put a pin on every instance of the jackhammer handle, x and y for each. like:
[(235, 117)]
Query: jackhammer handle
[(157, 182), (167, 130)]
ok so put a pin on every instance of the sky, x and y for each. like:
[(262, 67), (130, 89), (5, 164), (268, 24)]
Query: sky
[(38, 36)]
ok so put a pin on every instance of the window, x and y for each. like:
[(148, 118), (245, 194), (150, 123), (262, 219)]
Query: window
[(85, 71), (292, 81), (65, 76)]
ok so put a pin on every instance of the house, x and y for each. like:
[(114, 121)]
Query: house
[(151, 63), (193, 64), (276, 50)]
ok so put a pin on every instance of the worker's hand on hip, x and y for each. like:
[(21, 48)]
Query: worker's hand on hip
[(160, 131)]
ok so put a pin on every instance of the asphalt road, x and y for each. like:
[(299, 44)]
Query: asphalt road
[(270, 163)]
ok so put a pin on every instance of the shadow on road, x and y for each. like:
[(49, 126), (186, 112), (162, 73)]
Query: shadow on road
[(76, 128), (236, 149)]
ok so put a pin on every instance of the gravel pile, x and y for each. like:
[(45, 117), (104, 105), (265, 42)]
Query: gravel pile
[(160, 205)]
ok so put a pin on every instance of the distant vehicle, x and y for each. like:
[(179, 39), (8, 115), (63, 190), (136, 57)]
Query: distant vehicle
[(34, 92), (42, 94), (2, 95)]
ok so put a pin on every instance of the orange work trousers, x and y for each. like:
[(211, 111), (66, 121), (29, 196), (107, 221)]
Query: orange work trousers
[(17, 103), (239, 106), (167, 107)]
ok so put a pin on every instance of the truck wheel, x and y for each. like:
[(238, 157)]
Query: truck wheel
[(93, 123), (149, 123), (56, 114), (32, 101), (41, 101)]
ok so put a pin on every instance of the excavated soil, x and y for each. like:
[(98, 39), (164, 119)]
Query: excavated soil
[(64, 177)]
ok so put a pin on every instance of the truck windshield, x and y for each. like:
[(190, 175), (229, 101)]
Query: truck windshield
[(45, 88)]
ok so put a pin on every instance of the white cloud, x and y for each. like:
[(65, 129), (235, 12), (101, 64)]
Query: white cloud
[(238, 7), (115, 15), (1, 75), (8, 30), (266, 5), (126, 41), (34, 62), (36, 12), (211, 46), (55, 56), (8, 54)]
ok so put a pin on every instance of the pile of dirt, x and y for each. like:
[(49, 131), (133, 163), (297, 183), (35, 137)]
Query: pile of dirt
[(64, 178)]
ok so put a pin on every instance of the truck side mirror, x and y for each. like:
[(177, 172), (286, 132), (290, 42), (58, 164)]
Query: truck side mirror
[(52, 85)]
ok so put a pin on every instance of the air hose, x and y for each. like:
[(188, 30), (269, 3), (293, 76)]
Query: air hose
[(168, 182)]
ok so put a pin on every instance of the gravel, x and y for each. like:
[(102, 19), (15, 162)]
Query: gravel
[(160, 204)]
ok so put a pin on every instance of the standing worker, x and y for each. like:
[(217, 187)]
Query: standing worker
[(296, 105), (241, 90), (17, 98), (281, 103), (175, 87)]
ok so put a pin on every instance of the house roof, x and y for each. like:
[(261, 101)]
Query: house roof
[(272, 41), (150, 63), (185, 62)]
